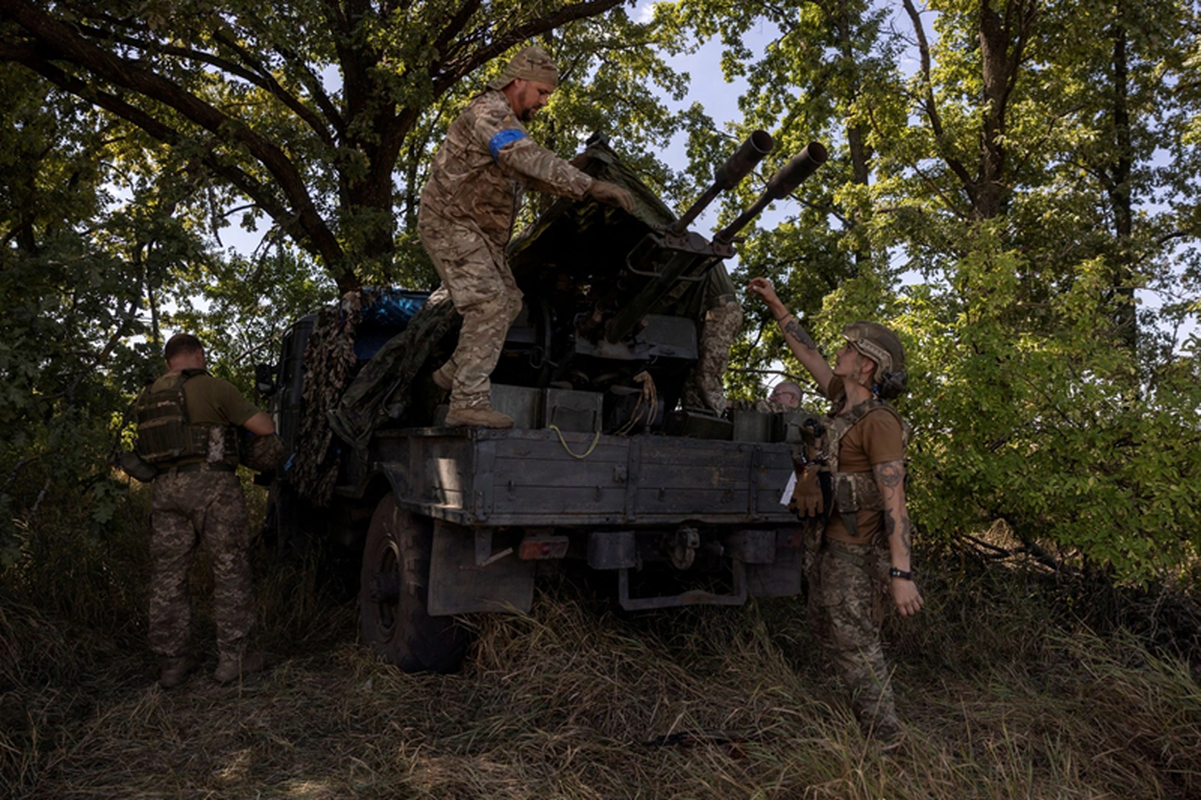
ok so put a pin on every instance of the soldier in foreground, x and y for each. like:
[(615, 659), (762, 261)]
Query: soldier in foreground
[(862, 537), (188, 428), (466, 217)]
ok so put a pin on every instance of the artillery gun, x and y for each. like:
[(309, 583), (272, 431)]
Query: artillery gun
[(605, 468)]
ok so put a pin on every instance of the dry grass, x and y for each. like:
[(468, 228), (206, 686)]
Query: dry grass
[(1004, 698)]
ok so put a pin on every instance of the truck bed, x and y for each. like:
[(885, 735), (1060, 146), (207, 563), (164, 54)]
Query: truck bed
[(535, 477)]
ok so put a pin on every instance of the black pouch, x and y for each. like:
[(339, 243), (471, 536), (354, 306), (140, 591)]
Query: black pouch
[(135, 466)]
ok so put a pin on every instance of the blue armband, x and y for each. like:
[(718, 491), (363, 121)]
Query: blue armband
[(505, 137)]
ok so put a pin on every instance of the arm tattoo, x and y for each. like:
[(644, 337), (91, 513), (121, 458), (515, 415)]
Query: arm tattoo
[(906, 528), (890, 524), (793, 329), (889, 476), (890, 479)]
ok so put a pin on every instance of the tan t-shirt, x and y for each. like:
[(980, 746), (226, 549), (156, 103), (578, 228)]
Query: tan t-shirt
[(875, 439)]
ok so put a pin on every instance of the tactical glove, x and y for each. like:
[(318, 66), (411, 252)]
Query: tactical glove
[(807, 500), (612, 194)]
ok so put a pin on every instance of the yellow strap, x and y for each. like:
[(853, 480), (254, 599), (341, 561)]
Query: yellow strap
[(563, 441)]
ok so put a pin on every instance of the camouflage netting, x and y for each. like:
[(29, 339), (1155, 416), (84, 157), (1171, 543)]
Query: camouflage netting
[(382, 390), (330, 363)]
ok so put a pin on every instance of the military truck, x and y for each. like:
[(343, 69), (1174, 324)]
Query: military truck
[(606, 469)]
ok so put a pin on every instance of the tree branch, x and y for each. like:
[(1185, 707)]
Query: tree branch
[(164, 133), (455, 68), (928, 101), (73, 48)]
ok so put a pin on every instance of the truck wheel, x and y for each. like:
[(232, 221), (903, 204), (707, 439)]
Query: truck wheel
[(393, 595)]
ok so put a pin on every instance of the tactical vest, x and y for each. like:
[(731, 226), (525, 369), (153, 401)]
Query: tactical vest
[(166, 437), (849, 492)]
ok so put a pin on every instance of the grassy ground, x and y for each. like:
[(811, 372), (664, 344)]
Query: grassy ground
[(1005, 693)]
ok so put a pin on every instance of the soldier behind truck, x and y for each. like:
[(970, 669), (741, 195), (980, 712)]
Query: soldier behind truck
[(786, 393), (466, 218), (862, 542), (188, 429)]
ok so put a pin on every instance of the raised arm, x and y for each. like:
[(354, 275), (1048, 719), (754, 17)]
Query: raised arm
[(799, 342)]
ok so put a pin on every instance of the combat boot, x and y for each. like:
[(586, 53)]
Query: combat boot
[(484, 416), (444, 378), (230, 668), (173, 671)]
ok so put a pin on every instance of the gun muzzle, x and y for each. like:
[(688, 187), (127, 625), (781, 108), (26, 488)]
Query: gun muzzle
[(729, 175), (782, 184), (792, 174)]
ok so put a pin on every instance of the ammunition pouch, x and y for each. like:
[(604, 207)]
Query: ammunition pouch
[(135, 466), (166, 437), (857, 491)]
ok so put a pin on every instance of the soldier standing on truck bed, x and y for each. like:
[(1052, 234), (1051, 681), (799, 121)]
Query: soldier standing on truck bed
[(188, 425), (466, 219), (862, 540)]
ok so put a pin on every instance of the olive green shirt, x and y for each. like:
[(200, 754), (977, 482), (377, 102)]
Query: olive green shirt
[(211, 401)]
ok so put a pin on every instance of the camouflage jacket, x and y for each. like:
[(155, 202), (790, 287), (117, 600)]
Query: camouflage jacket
[(477, 173)]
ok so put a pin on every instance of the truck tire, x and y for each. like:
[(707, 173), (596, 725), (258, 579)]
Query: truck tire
[(393, 592)]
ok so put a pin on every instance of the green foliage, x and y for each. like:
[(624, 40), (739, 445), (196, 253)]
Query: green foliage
[(1038, 416), (1031, 182), (1012, 186), (240, 309), (318, 119), (67, 346)]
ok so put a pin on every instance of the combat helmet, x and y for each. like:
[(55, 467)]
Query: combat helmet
[(531, 64), (883, 347)]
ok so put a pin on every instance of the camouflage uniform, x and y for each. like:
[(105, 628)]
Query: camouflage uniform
[(848, 573), (190, 508), (704, 388), (198, 499), (848, 592), (465, 221)]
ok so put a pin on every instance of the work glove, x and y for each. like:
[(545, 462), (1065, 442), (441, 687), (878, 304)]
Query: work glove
[(611, 194), (807, 500)]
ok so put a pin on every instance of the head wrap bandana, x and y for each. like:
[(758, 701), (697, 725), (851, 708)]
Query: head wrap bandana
[(531, 64)]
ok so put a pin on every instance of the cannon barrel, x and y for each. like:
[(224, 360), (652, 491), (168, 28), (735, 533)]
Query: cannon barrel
[(690, 262), (782, 184), (729, 175)]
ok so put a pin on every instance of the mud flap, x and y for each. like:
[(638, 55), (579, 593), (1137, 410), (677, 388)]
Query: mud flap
[(781, 578), (462, 582)]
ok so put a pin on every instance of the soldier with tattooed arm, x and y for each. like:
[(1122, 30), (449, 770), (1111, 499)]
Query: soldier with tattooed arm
[(850, 491)]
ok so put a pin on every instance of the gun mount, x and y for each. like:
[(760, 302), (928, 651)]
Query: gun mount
[(618, 307), (631, 290)]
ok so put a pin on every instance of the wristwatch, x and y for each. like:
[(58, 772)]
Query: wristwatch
[(900, 573)]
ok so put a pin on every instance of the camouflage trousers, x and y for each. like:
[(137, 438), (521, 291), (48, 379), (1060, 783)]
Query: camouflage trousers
[(188, 509), (483, 290), (848, 597), (704, 388)]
